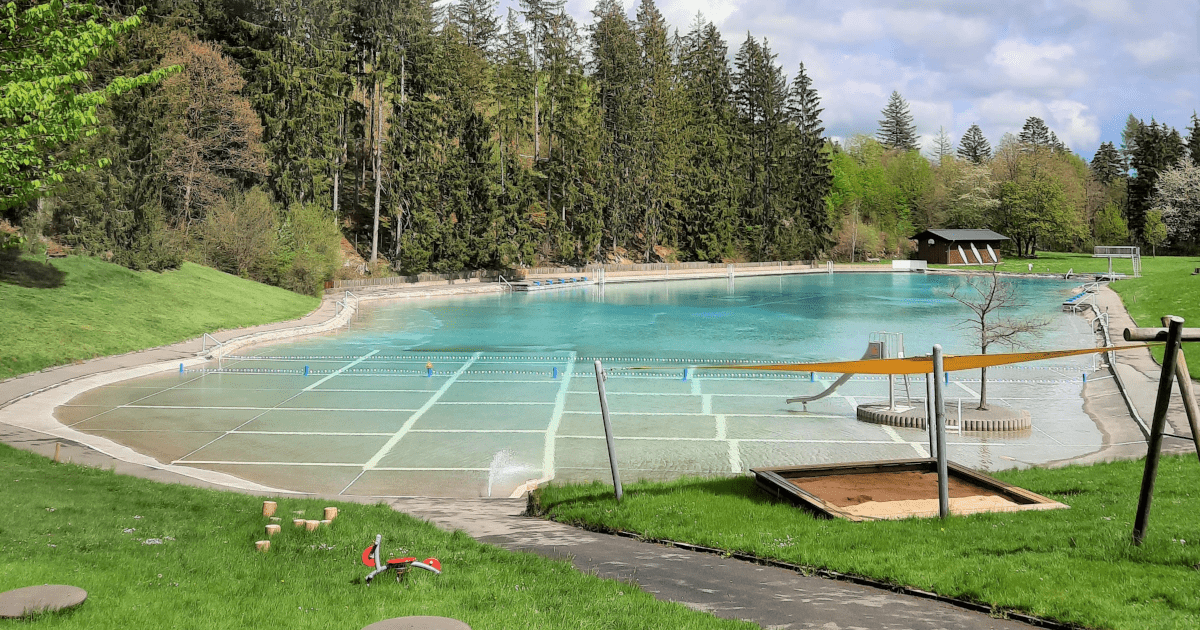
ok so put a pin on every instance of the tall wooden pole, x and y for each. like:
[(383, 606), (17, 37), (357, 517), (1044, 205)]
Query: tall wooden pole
[(1154, 449)]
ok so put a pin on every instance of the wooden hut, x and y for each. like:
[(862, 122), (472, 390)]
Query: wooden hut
[(959, 247)]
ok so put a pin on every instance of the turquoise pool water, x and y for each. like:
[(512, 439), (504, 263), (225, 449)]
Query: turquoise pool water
[(509, 394)]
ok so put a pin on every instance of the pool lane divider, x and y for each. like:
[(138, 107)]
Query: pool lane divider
[(408, 424)]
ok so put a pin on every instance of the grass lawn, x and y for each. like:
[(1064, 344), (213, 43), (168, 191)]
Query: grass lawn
[(1075, 565), (78, 308), (1165, 288), (154, 555)]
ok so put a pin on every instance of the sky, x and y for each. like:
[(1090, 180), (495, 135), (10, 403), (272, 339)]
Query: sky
[(1081, 65)]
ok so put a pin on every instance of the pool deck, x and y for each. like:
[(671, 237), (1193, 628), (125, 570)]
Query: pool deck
[(771, 597)]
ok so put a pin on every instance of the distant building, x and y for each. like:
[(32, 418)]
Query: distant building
[(959, 247)]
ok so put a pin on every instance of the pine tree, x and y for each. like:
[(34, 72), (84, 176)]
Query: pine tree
[(943, 147), (616, 74), (1193, 139), (760, 91), (1156, 149), (476, 20), (974, 146), (896, 130), (1107, 164), (1129, 135), (811, 172), (711, 225), (1035, 134)]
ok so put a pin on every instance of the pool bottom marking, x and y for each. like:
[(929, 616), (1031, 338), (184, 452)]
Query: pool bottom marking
[(366, 356), (560, 405), (408, 424)]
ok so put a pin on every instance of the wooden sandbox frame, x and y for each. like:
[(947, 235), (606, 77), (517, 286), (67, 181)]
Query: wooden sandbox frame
[(777, 481)]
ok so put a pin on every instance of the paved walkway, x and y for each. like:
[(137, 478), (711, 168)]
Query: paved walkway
[(770, 597)]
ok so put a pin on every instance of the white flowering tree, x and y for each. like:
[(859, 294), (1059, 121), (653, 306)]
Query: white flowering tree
[(1177, 197)]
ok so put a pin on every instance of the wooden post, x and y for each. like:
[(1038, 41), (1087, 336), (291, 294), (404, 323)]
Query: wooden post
[(57, 452), (331, 513), (1189, 396), (940, 411), (262, 545), (269, 508), (1154, 448), (311, 525), (272, 529)]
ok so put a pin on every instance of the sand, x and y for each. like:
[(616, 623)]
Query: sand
[(848, 490)]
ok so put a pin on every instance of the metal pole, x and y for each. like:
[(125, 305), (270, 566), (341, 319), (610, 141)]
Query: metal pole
[(1154, 448), (608, 434), (930, 414), (940, 407)]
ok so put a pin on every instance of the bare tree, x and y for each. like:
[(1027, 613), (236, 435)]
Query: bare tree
[(986, 296)]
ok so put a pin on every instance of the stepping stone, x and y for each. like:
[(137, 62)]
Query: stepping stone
[(46, 598), (419, 623)]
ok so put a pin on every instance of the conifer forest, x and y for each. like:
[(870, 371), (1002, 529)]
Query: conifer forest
[(265, 137)]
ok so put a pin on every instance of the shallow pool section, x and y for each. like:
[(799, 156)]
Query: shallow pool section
[(476, 396)]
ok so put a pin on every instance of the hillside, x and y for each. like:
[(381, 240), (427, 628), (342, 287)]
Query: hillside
[(78, 308)]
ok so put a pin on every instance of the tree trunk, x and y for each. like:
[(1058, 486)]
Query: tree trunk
[(983, 370), (536, 140), (338, 160), (377, 166)]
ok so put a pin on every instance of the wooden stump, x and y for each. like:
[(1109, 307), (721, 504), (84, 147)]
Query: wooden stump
[(298, 522), (262, 545), (311, 525), (269, 508), (272, 529), (326, 522), (331, 513)]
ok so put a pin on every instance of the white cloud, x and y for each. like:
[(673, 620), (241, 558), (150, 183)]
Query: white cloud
[(1027, 65), (1070, 120), (1165, 47), (681, 13)]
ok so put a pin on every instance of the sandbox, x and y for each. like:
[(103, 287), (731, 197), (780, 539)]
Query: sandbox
[(894, 489)]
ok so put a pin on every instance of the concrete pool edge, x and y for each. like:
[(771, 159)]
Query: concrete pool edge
[(1113, 427)]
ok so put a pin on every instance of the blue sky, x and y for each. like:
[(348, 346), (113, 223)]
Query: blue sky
[(1081, 65)]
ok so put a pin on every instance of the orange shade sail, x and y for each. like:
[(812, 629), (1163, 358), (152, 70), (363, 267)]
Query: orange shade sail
[(916, 365)]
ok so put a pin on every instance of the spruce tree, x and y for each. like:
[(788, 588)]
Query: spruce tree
[(1107, 164), (1129, 135), (476, 20), (974, 146), (811, 172), (1193, 139), (896, 130), (711, 227), (1156, 149), (943, 147), (1035, 134), (760, 91)]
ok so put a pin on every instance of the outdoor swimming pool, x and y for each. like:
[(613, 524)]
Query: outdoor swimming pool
[(512, 395)]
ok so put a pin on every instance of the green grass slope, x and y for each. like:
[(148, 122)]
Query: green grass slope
[(1077, 565), (79, 308), (154, 555)]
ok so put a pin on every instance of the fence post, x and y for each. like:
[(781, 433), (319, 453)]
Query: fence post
[(1154, 448)]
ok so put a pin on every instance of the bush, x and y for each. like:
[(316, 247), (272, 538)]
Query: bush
[(309, 249), (241, 235)]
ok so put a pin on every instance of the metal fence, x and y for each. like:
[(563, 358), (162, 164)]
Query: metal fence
[(491, 275)]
